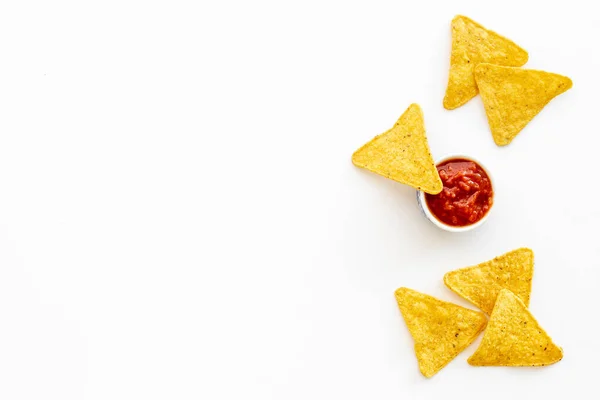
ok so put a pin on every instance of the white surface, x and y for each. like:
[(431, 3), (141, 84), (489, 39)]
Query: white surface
[(179, 217)]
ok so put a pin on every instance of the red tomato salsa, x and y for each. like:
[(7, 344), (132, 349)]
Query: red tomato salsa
[(467, 195)]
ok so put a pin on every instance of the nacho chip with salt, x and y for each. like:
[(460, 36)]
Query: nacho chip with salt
[(514, 338), (402, 154), (440, 330), (473, 44), (482, 283), (513, 96)]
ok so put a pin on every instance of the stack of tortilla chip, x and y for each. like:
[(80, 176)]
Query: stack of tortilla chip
[(484, 62), (500, 288)]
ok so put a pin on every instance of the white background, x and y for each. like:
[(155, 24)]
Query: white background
[(180, 219)]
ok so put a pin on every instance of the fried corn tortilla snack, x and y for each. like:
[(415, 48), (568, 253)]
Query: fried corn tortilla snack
[(473, 44), (440, 330), (482, 283), (402, 154), (514, 338), (513, 96)]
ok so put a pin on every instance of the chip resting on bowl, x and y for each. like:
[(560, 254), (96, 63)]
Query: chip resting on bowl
[(440, 330), (514, 338), (482, 283), (513, 96), (473, 44), (402, 154)]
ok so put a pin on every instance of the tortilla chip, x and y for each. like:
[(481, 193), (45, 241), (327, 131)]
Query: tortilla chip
[(513, 96), (402, 154), (514, 338), (441, 330), (473, 44), (481, 283)]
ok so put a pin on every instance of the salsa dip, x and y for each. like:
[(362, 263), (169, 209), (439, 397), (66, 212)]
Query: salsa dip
[(466, 199)]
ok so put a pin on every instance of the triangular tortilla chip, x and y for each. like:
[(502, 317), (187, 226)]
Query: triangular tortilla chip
[(441, 330), (481, 283), (513, 96), (473, 44), (402, 154), (514, 338)]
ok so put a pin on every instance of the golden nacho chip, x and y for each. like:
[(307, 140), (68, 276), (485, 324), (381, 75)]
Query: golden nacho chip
[(440, 330), (513, 96), (402, 154), (473, 44), (481, 283), (514, 338)]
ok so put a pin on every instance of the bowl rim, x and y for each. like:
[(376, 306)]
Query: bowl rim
[(440, 224)]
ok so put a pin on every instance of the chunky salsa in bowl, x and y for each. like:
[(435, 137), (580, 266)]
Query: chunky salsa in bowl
[(467, 196)]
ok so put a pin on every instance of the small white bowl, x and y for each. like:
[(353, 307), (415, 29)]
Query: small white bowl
[(429, 215)]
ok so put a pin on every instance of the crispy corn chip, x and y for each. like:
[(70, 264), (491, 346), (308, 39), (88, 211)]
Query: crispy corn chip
[(441, 330), (513, 96), (473, 44), (514, 338), (481, 284), (402, 154)]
